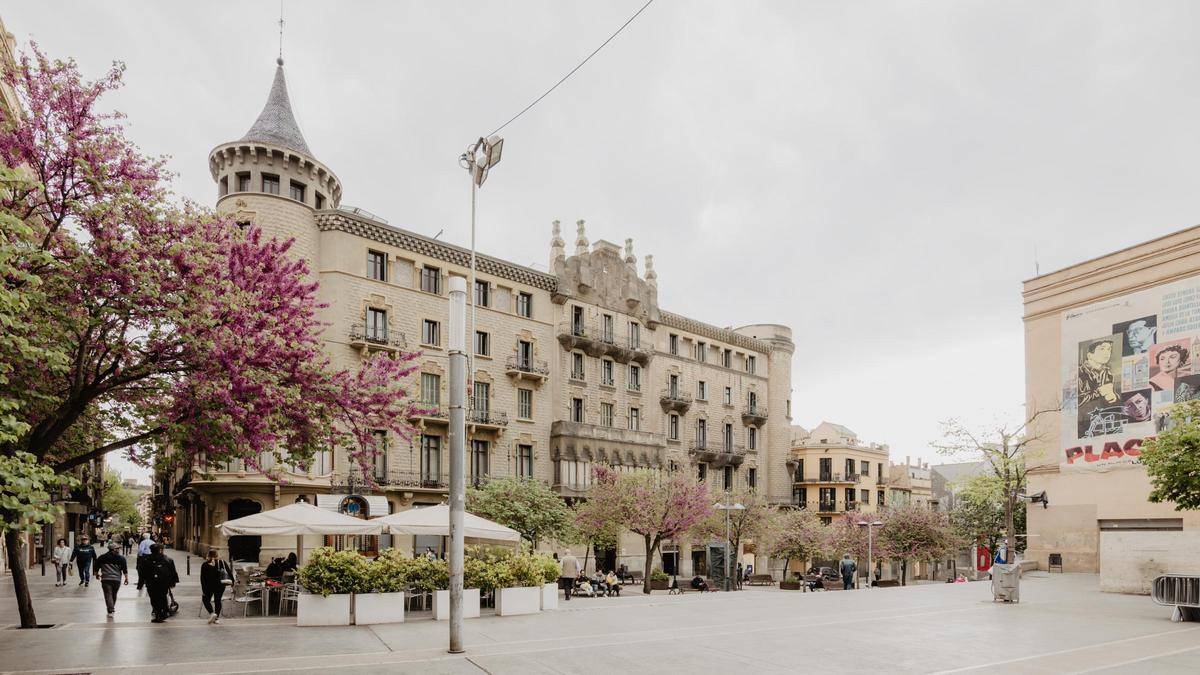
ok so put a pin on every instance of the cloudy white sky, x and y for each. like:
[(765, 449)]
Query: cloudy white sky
[(876, 175)]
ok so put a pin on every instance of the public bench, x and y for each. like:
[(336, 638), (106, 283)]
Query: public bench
[(761, 580), (887, 583)]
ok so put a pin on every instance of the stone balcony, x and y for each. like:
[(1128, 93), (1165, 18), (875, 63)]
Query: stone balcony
[(717, 454), (575, 441), (367, 340), (755, 415), (597, 342), (675, 400), (518, 368)]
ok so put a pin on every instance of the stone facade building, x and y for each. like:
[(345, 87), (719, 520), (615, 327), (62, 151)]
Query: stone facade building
[(568, 368), (1111, 344), (833, 471)]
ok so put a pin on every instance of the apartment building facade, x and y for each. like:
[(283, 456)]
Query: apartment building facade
[(568, 368), (832, 471)]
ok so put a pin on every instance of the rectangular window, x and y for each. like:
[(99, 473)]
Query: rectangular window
[(379, 441), (673, 427), (635, 378), (673, 344), (525, 404), (727, 358), (728, 395), (576, 366), (479, 460), (828, 499), (481, 398), (606, 372), (635, 419), (270, 184), (296, 191), (826, 468), (701, 433), (224, 186), (727, 479), (849, 498), (727, 437), (865, 496), (800, 497), (752, 478), (431, 459), (525, 461), (701, 349), (243, 182), (431, 388), (320, 204), (750, 365), (431, 333), (577, 410), (483, 294), (524, 354), (864, 468), (377, 265), (752, 400), (673, 386), (376, 325), (800, 470), (431, 280), (483, 344), (702, 471), (702, 390), (751, 438), (525, 305), (849, 468), (879, 474), (606, 328), (635, 335), (606, 414), (577, 321)]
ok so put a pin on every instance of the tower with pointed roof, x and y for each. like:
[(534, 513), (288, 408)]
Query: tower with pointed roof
[(270, 176)]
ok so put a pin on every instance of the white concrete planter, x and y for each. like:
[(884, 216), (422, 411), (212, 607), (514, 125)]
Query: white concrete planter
[(549, 596), (441, 604), (514, 601), (371, 608), (315, 610)]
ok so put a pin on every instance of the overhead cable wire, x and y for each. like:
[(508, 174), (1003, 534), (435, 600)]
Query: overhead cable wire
[(581, 64)]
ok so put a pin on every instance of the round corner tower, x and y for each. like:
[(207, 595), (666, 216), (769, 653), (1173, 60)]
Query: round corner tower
[(270, 177), (779, 405)]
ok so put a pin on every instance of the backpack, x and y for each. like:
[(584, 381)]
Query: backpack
[(160, 570)]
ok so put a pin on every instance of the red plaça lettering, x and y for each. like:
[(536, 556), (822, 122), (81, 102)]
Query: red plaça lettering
[(1073, 454), (1088, 455), (1111, 449)]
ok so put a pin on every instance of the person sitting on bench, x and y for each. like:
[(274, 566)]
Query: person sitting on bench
[(614, 585), (699, 584)]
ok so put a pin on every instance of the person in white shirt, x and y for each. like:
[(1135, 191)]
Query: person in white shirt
[(62, 562)]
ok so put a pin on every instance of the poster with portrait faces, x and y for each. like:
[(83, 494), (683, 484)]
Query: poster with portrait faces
[(1126, 361)]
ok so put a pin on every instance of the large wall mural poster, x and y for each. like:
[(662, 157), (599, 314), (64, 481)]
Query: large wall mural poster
[(1126, 361)]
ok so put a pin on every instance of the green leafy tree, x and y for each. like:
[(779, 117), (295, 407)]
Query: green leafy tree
[(978, 512), (120, 502), (26, 491), (594, 527), (1172, 459), (527, 506)]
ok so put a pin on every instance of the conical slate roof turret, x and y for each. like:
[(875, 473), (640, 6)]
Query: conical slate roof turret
[(276, 124)]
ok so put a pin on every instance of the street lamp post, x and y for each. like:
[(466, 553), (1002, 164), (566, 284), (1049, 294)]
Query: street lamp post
[(478, 160), (870, 546), (727, 507)]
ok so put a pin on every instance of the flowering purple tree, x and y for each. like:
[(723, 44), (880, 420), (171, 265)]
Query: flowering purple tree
[(185, 336), (796, 534), (657, 506), (914, 532), (846, 535)]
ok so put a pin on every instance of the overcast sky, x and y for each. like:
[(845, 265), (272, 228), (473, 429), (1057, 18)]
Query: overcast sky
[(876, 175)]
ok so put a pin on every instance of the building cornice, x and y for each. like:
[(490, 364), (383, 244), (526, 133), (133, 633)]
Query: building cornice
[(712, 332), (357, 225)]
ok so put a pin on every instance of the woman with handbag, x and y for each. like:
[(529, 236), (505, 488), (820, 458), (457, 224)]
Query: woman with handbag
[(62, 562), (215, 575)]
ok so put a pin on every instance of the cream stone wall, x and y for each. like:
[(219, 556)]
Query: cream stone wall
[(1078, 501)]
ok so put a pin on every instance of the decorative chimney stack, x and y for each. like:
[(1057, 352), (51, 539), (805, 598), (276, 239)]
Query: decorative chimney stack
[(581, 242), (558, 254)]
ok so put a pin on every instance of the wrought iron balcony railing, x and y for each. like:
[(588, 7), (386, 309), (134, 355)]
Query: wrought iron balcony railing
[(361, 335)]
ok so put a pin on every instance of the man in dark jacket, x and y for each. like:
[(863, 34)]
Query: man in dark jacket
[(83, 556), (110, 569), (847, 568), (161, 578)]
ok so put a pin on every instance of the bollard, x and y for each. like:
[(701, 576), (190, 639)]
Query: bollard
[(43, 563), (189, 565)]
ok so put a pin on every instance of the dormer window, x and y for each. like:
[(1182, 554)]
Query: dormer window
[(270, 184)]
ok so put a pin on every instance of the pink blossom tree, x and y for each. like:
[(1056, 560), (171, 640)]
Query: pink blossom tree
[(796, 534), (846, 535), (655, 505), (187, 338), (913, 532)]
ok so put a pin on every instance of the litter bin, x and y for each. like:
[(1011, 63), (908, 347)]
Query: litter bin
[(1006, 583)]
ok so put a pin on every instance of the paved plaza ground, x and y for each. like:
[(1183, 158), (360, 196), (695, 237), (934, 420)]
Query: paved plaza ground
[(1063, 624)]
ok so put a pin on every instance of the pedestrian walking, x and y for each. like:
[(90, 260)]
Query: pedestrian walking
[(111, 569), (847, 568), (161, 577), (215, 575), (570, 570), (83, 556), (143, 553), (62, 562)]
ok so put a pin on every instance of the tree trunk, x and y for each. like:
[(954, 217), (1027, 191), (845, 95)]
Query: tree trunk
[(904, 572), (1010, 533), (12, 544), (785, 566), (586, 553), (649, 560)]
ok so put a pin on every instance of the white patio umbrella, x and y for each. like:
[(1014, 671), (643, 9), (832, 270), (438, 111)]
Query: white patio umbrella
[(298, 519), (435, 520)]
